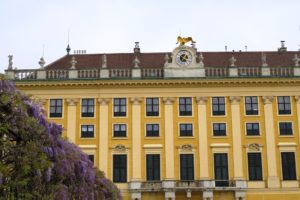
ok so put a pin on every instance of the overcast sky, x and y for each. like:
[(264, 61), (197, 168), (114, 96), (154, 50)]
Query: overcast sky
[(99, 26)]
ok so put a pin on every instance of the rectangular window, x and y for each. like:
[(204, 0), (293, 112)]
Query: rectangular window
[(186, 167), (152, 130), (87, 108), (251, 105), (219, 129), (284, 105), (285, 128), (120, 130), (153, 167), (288, 166), (252, 129), (186, 129), (91, 158), (254, 166), (119, 107), (185, 106), (87, 131), (152, 106), (218, 105), (120, 168), (56, 107), (221, 170)]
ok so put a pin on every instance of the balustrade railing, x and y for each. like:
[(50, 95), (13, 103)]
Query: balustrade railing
[(216, 72), (158, 73), (57, 74)]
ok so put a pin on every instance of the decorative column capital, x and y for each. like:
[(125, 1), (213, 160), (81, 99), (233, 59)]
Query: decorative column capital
[(136, 100), (103, 101), (297, 98), (201, 100), (72, 101), (268, 99), (234, 99), (168, 100)]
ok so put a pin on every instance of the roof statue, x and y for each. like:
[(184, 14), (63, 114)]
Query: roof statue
[(183, 40), (10, 62)]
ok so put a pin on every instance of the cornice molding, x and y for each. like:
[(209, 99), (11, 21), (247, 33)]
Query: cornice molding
[(201, 100), (297, 98), (268, 99), (136, 100), (228, 82), (72, 101), (103, 101), (168, 100), (234, 99)]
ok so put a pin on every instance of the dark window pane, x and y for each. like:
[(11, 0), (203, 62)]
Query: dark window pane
[(284, 105), (219, 129), (254, 166), (152, 105), (218, 105), (119, 107), (187, 167), (221, 169), (55, 108), (251, 105), (185, 106), (87, 131), (120, 130), (153, 167), (119, 168), (288, 166), (152, 130), (186, 129), (87, 108), (285, 128), (252, 129)]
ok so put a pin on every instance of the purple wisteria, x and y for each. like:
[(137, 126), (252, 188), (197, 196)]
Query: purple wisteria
[(36, 162)]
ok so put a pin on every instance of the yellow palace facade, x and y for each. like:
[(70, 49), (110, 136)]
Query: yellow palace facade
[(180, 125)]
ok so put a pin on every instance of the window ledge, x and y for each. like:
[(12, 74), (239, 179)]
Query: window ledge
[(289, 184), (256, 184)]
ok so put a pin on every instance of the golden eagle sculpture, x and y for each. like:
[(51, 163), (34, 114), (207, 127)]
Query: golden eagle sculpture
[(183, 40)]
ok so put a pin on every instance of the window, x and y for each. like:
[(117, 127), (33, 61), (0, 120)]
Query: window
[(152, 130), (119, 130), (87, 108), (284, 105), (219, 129), (56, 107), (251, 105), (186, 167), (288, 166), (91, 158), (252, 129), (152, 106), (285, 128), (120, 107), (221, 169), (218, 105), (254, 166), (87, 131), (120, 168), (153, 167), (185, 106), (186, 129)]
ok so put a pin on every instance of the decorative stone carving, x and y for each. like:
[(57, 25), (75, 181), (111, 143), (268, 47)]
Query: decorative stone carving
[(42, 62), (254, 147), (72, 101), (296, 60), (168, 100), (186, 147), (104, 61), (103, 101), (10, 62), (264, 59), (120, 148), (235, 99), (201, 100), (232, 61), (136, 100), (73, 63), (267, 99), (136, 62)]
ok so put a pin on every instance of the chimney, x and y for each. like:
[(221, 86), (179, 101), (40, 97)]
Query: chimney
[(136, 48), (282, 48)]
